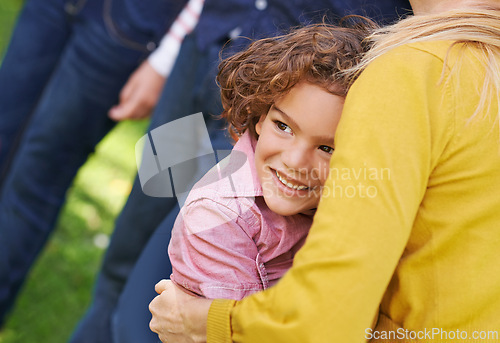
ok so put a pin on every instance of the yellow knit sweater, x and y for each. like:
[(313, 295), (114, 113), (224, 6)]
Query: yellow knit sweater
[(409, 225)]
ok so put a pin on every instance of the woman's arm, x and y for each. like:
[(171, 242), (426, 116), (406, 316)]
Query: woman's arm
[(386, 148)]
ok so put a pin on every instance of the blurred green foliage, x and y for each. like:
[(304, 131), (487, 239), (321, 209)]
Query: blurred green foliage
[(8, 11), (59, 286)]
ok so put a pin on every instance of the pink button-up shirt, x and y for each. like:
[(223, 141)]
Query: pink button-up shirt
[(226, 242)]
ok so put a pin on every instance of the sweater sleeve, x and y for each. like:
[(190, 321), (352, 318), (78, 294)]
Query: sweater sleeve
[(395, 124)]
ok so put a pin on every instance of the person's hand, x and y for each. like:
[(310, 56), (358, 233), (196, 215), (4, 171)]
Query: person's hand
[(139, 95), (177, 316)]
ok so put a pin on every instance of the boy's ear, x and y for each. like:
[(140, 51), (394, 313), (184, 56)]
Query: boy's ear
[(258, 126)]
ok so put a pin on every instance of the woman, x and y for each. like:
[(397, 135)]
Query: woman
[(419, 134)]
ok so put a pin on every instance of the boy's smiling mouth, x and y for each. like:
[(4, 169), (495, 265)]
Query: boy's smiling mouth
[(289, 184)]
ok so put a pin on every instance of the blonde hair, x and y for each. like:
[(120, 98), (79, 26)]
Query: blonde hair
[(479, 28)]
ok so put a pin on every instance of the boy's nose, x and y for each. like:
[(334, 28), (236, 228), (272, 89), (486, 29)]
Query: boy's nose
[(297, 158)]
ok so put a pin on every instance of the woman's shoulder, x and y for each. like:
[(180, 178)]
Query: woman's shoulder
[(405, 63), (430, 52), (423, 51)]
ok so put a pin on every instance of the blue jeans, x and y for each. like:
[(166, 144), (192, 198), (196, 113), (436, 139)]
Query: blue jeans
[(191, 88), (61, 74)]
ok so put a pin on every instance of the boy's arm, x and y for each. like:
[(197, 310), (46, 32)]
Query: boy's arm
[(213, 253)]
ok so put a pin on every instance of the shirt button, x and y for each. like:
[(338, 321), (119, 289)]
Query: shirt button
[(261, 4), (151, 46)]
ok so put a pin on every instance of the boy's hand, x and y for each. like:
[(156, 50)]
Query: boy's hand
[(177, 316)]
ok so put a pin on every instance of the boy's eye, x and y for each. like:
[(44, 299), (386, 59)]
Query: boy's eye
[(283, 127), (326, 148)]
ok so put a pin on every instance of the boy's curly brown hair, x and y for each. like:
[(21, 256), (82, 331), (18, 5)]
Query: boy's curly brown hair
[(254, 79)]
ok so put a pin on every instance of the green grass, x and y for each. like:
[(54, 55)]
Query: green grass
[(59, 286)]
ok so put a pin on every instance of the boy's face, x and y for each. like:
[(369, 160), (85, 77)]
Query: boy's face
[(296, 141)]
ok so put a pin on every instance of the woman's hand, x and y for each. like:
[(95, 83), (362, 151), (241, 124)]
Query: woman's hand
[(177, 316)]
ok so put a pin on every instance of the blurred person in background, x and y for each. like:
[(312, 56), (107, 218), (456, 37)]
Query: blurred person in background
[(63, 71)]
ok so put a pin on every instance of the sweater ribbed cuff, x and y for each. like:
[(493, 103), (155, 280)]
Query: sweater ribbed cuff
[(219, 321)]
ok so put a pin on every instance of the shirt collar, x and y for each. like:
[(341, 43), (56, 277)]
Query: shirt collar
[(237, 172)]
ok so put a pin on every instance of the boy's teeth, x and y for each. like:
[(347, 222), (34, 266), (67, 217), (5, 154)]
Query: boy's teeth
[(288, 184)]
